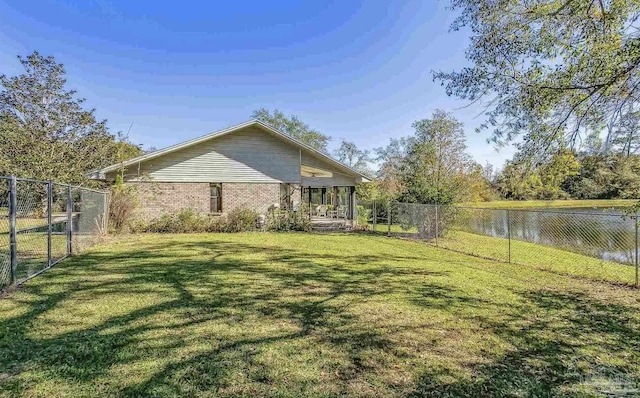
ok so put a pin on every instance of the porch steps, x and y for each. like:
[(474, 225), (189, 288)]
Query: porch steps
[(330, 226)]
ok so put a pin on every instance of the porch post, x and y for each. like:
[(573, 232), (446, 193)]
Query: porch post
[(354, 210), (324, 195)]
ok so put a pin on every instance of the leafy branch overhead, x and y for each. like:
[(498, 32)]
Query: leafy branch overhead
[(549, 70)]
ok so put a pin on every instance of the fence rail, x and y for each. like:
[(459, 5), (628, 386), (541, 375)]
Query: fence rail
[(598, 244), (44, 222)]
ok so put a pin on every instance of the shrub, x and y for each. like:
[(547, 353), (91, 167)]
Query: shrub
[(187, 221), (123, 201), (289, 220), (183, 221), (239, 220), (364, 215)]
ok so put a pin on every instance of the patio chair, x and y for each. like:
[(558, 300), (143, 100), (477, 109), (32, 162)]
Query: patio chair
[(321, 211), (342, 211)]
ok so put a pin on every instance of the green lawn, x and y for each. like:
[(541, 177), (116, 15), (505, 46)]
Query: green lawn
[(538, 256), (526, 204), (265, 314)]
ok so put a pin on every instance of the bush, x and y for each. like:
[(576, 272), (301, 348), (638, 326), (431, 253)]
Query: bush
[(123, 201), (239, 220), (289, 220), (184, 221), (364, 215), (187, 221)]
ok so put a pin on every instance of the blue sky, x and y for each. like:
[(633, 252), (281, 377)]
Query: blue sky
[(177, 70)]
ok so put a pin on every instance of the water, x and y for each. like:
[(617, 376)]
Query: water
[(608, 234)]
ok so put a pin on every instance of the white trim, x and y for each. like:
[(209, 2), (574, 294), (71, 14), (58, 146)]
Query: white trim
[(228, 130)]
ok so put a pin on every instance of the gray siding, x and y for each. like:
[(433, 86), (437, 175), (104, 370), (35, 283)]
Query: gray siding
[(338, 179), (250, 155)]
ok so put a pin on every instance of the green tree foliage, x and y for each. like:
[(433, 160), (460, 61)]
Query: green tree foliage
[(432, 165), (547, 180), (390, 159), (549, 68), (293, 127), (45, 131), (605, 176), (358, 159), (437, 168)]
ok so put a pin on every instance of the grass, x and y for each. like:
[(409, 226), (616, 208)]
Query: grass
[(564, 262), (27, 222), (310, 315), (538, 256), (527, 204)]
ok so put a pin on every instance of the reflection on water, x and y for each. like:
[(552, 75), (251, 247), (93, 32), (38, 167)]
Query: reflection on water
[(605, 234)]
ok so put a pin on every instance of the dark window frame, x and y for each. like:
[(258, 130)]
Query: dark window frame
[(217, 208)]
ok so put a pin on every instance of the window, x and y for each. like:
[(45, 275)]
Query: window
[(216, 198)]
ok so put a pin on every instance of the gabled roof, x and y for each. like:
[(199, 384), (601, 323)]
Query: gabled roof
[(229, 130)]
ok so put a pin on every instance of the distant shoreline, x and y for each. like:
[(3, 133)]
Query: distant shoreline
[(526, 204)]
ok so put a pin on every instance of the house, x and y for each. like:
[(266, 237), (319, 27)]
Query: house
[(247, 166)]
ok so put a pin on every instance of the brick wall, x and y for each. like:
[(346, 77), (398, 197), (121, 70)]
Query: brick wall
[(258, 197), (157, 198)]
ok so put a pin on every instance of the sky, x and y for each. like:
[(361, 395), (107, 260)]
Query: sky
[(166, 72)]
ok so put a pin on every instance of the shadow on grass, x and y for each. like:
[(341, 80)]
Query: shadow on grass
[(322, 301)]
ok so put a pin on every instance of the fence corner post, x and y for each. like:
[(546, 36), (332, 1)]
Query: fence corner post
[(509, 232), (437, 225), (49, 216), (69, 220), (636, 251), (13, 247), (389, 218), (375, 220)]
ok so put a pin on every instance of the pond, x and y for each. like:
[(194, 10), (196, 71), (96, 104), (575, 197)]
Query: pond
[(608, 234)]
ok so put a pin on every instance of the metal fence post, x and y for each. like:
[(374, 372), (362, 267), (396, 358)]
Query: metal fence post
[(389, 218), (105, 222), (509, 232), (49, 231), (69, 220), (13, 247), (375, 220), (437, 226), (636, 252)]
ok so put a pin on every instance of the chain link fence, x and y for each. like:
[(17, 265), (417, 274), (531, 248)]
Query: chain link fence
[(590, 243), (43, 222)]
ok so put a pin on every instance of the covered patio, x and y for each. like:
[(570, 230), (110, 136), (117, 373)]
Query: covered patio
[(329, 195)]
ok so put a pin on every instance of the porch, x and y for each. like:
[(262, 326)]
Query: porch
[(332, 203)]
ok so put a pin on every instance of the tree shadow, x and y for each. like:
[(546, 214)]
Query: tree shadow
[(300, 304), (566, 349)]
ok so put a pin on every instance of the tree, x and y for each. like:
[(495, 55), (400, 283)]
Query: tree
[(549, 68), (293, 127), (391, 158), (437, 168), (46, 132), (349, 154), (547, 180)]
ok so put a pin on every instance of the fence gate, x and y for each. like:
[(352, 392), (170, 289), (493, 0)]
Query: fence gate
[(42, 221)]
